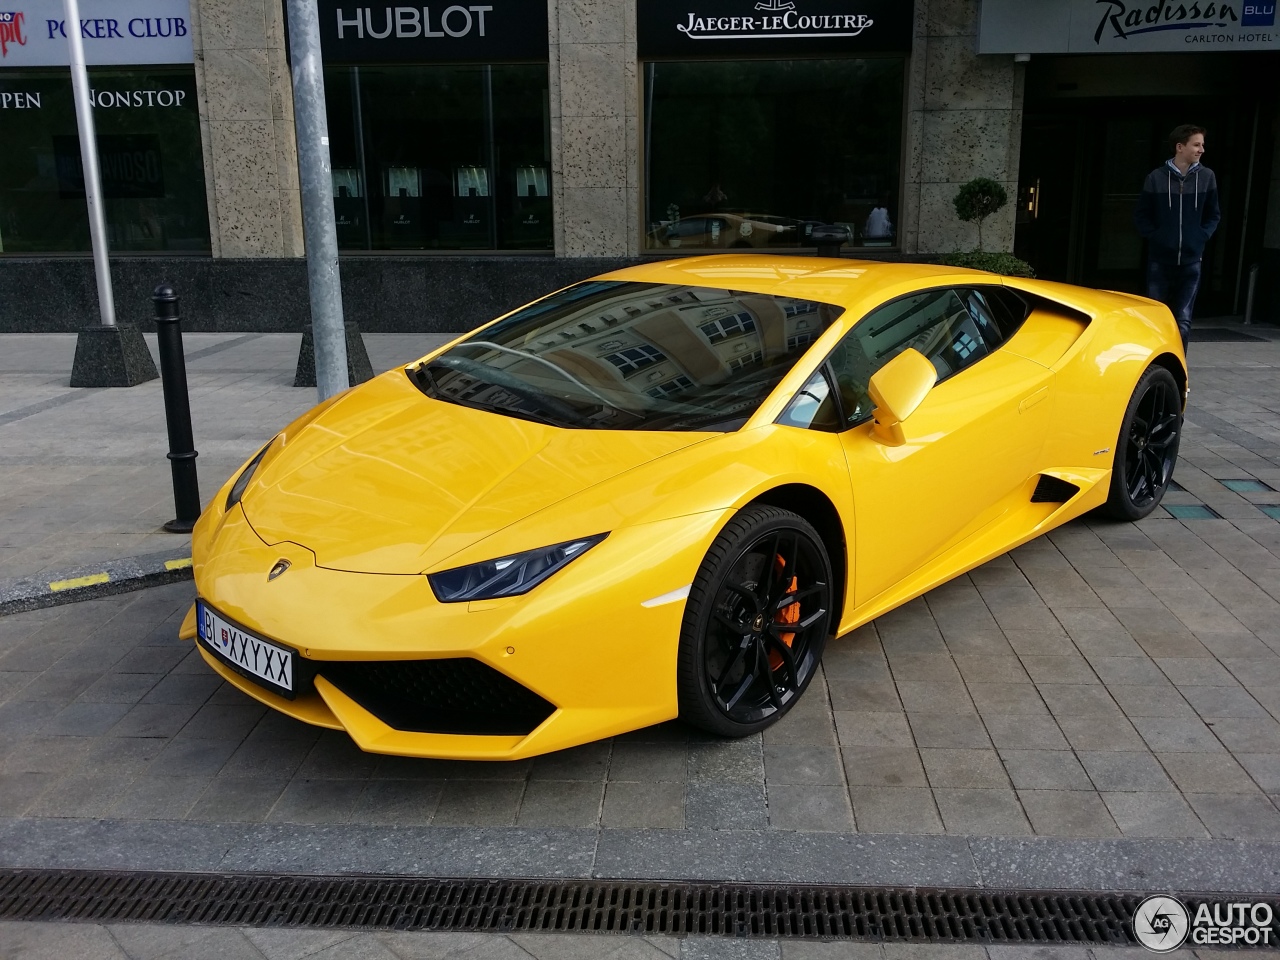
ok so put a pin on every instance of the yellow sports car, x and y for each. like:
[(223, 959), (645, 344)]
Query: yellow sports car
[(659, 492)]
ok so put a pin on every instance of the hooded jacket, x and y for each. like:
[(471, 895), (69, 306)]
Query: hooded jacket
[(1177, 212)]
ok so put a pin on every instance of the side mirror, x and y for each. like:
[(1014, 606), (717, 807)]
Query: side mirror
[(897, 389)]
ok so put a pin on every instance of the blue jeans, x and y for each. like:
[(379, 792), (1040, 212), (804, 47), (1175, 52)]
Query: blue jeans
[(1176, 287)]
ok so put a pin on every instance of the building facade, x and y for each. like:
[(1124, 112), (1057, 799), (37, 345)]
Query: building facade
[(485, 153)]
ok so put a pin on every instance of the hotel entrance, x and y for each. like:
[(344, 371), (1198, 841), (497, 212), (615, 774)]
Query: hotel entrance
[(1093, 127)]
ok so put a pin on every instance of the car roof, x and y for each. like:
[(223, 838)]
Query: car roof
[(826, 279)]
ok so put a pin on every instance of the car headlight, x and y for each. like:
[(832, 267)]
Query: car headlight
[(507, 576), (242, 481)]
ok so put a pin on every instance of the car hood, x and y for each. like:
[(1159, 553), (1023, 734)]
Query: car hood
[(389, 481)]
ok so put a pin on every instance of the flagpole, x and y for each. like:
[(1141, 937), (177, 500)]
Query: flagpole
[(89, 160)]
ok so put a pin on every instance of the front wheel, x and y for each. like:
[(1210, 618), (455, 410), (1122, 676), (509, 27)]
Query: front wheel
[(1147, 448), (756, 623)]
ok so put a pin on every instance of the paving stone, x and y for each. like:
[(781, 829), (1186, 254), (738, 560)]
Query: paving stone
[(224, 721), (1044, 770), (479, 803), (638, 805), (963, 768), (588, 762), (57, 686), (817, 950), (865, 696), (122, 755), (794, 763), (1101, 734), (1196, 671), (316, 801), (46, 755), (926, 696), (561, 803), (1127, 670), (238, 800), (1014, 699), (895, 810), (722, 948), (27, 940), (295, 944), (725, 806), (19, 790), (1177, 734), (990, 813), (183, 688), (1079, 700), (159, 798), (1059, 669), (1067, 813), (1237, 816), (1264, 768), (883, 766), (945, 731), (1151, 701), (1116, 772), (874, 729), (1153, 815), (191, 758), (154, 720), (1246, 735), (1222, 701), (727, 761), (334, 756), (809, 807), (649, 762), (85, 719), (397, 802), (1207, 773), (263, 756), (1017, 732), (80, 796), (937, 667)]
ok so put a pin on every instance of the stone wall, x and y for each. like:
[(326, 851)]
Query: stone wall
[(246, 126), (594, 127), (964, 120)]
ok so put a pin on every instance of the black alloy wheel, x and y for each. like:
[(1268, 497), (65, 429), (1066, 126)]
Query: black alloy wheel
[(1147, 449), (756, 623)]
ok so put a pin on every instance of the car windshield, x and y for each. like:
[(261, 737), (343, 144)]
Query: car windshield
[(616, 355)]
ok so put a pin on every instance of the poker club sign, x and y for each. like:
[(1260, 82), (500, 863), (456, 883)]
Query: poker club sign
[(33, 33)]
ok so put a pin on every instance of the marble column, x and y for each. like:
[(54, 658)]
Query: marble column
[(246, 127), (964, 120), (595, 127)]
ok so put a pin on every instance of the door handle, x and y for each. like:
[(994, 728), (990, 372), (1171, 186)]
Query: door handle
[(1030, 401)]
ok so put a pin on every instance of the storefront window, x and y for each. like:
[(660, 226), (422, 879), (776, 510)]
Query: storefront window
[(149, 152), (754, 154), (440, 157)]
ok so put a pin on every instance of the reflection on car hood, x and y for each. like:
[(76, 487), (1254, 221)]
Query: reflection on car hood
[(389, 481)]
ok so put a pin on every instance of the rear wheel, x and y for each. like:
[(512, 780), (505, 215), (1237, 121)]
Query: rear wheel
[(1147, 449), (756, 623)]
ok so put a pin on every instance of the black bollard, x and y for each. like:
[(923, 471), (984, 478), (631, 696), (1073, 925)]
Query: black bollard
[(177, 411)]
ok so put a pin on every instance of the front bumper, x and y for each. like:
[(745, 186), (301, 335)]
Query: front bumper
[(583, 642)]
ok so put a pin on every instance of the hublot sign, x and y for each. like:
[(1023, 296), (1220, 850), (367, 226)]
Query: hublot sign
[(702, 28), (360, 31)]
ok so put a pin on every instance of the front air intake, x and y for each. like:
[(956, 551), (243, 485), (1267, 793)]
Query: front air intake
[(456, 695), (1053, 490)]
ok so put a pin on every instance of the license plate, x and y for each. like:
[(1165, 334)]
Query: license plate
[(252, 656)]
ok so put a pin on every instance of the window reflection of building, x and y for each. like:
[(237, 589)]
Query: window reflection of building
[(661, 343)]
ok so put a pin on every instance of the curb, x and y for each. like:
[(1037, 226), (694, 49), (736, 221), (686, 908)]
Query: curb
[(52, 588)]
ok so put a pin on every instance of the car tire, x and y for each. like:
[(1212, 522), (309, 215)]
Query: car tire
[(1147, 448), (740, 668)]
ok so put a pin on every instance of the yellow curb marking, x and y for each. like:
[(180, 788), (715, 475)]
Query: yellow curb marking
[(177, 564), (88, 581)]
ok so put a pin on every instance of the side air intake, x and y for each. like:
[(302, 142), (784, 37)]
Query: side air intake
[(1053, 490)]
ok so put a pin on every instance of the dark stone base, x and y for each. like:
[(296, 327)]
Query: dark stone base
[(112, 357), (1266, 297), (383, 294), (359, 369)]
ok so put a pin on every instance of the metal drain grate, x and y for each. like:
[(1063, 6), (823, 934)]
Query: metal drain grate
[(568, 906)]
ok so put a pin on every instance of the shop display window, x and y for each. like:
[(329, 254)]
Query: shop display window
[(149, 153), (754, 154), (440, 157)]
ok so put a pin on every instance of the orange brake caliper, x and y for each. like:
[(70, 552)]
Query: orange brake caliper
[(788, 614)]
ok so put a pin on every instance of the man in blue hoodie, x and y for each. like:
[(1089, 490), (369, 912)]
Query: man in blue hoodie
[(1177, 213)]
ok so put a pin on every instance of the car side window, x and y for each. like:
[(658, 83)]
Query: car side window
[(814, 407), (953, 328)]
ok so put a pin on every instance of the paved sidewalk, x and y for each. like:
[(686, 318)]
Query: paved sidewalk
[(1096, 710), (83, 471)]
